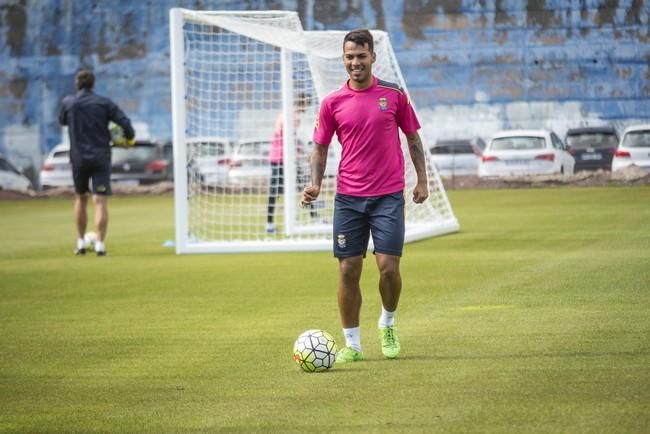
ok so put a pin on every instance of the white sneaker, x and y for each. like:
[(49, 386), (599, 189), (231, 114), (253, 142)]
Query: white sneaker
[(270, 228)]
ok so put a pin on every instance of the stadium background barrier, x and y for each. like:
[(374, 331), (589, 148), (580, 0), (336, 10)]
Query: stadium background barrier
[(472, 67)]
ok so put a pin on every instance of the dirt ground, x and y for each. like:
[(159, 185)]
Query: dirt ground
[(632, 175)]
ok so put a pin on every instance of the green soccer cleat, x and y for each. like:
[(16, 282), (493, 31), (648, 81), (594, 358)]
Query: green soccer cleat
[(348, 354), (389, 342)]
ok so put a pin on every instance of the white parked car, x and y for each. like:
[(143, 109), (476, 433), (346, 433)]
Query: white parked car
[(634, 148), (56, 170), (11, 178), (525, 152)]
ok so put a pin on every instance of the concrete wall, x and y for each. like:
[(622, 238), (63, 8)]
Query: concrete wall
[(471, 66)]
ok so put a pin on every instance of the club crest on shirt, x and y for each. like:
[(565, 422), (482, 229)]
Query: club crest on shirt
[(383, 104)]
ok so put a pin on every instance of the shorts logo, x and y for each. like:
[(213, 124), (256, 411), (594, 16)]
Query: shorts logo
[(340, 240), (383, 104), (101, 189)]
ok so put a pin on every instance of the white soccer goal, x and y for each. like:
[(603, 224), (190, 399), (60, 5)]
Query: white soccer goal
[(233, 75)]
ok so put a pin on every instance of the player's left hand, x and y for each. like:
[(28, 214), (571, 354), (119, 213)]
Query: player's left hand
[(420, 192)]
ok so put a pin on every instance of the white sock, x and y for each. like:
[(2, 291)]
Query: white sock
[(99, 246), (353, 337), (387, 319), (80, 243)]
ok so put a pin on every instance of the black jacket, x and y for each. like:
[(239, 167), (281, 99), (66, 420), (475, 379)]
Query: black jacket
[(87, 116)]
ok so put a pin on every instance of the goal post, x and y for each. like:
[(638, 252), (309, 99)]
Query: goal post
[(239, 81)]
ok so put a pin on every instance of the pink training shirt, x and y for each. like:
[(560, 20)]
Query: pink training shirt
[(366, 123), (275, 155), (276, 152)]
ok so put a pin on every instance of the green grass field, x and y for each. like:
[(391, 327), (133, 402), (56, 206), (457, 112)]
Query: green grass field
[(534, 318)]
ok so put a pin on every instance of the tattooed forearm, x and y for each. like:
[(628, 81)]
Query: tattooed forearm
[(416, 150), (317, 163)]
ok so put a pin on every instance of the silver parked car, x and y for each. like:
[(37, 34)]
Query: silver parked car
[(457, 157), (634, 148), (209, 160), (525, 152), (249, 164)]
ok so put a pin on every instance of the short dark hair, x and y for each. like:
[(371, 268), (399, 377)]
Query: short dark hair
[(85, 79), (360, 37)]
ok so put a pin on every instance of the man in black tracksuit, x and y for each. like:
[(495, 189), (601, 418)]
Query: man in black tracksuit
[(87, 116)]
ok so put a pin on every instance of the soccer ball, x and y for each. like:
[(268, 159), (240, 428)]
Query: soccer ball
[(315, 350), (117, 135), (90, 238)]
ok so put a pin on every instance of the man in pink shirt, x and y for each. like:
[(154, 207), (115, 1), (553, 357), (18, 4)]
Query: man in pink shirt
[(276, 160), (366, 114)]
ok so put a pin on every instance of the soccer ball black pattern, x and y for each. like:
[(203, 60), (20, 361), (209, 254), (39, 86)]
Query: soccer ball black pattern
[(315, 350)]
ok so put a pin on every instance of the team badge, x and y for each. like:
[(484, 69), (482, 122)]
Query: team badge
[(101, 189), (340, 240), (383, 104)]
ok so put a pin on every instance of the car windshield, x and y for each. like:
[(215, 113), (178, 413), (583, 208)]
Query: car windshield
[(254, 149), (443, 148), (61, 154), (592, 140), (637, 139), (210, 149), (142, 153), (522, 143)]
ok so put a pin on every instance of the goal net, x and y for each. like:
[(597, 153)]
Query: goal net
[(236, 78)]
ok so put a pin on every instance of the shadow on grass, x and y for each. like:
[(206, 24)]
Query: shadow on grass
[(372, 364)]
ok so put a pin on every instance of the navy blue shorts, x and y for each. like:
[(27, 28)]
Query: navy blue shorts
[(356, 218), (99, 173)]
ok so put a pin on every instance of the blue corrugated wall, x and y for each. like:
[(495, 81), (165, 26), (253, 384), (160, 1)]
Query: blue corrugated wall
[(470, 66)]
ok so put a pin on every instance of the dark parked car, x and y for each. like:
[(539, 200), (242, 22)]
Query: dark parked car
[(592, 147), (146, 162)]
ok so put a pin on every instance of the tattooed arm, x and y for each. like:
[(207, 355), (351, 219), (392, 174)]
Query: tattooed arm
[(421, 190), (317, 163)]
